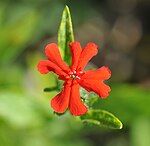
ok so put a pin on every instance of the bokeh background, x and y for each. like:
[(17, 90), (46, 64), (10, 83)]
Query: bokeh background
[(121, 28)]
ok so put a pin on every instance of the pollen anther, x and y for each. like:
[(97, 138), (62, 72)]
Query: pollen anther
[(73, 75), (78, 77)]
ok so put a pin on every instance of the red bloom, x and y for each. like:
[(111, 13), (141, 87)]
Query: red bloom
[(74, 76)]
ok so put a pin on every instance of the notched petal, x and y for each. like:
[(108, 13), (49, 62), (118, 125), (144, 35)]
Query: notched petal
[(100, 74), (75, 49), (88, 52), (53, 54), (45, 66), (61, 101), (96, 86), (77, 108)]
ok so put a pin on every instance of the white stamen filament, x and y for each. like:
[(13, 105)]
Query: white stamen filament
[(74, 76), (78, 77)]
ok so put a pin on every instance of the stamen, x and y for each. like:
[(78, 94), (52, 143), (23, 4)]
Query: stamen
[(73, 75), (78, 77), (74, 72)]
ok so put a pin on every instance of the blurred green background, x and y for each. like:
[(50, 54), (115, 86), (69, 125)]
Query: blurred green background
[(119, 27)]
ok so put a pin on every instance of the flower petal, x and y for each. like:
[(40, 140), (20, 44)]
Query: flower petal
[(96, 86), (100, 74), (88, 52), (77, 108), (75, 49), (53, 54), (61, 101), (45, 66)]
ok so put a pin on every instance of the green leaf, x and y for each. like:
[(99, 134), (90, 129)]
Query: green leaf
[(50, 89), (59, 114), (132, 98), (101, 118), (65, 35), (89, 98)]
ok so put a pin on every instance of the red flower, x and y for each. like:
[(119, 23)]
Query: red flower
[(74, 76)]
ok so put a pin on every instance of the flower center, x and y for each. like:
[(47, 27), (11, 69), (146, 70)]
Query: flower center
[(73, 75)]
